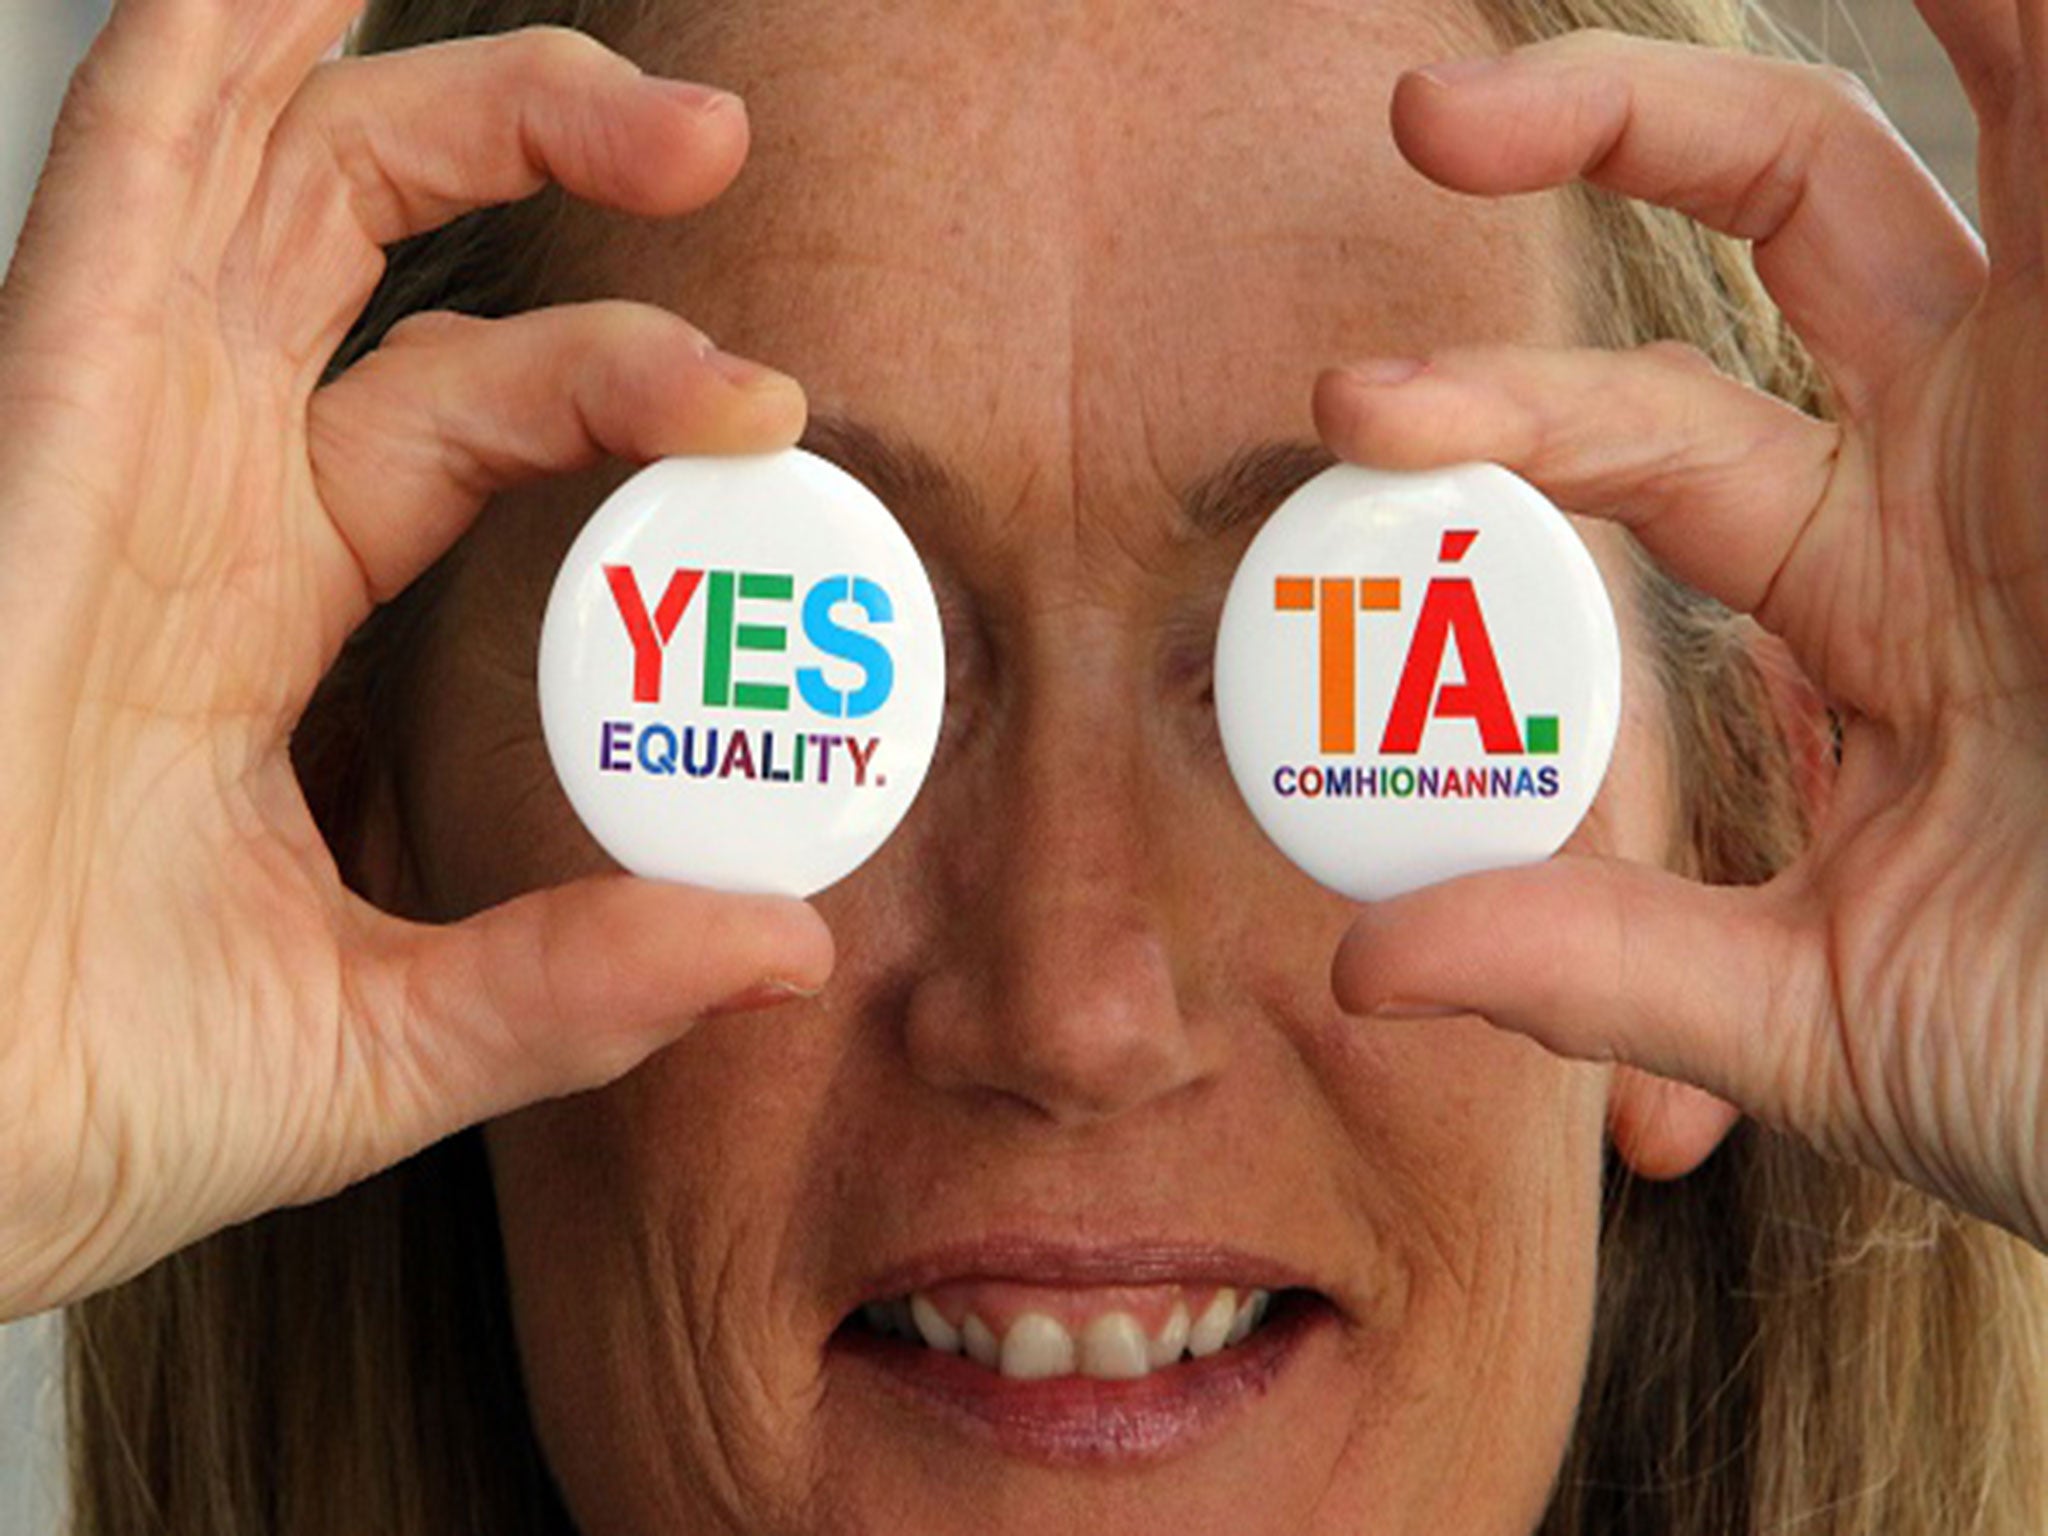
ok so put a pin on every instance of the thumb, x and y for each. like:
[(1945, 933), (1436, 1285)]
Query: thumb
[(1605, 961), (558, 991)]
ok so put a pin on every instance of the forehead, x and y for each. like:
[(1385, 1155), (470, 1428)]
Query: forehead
[(1084, 245)]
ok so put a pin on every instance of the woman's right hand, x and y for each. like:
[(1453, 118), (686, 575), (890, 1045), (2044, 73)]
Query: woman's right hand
[(198, 1022)]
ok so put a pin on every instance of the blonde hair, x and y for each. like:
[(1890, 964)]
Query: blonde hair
[(1781, 1344)]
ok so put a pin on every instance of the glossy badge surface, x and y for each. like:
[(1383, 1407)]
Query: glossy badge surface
[(742, 673), (1417, 676)]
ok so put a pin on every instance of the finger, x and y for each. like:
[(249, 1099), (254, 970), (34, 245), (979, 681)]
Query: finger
[(424, 135), (161, 130), (276, 45), (2013, 146), (1983, 40), (373, 150), (259, 50), (559, 991), (126, 150), (1715, 986), (1722, 483), (1853, 236), (407, 445)]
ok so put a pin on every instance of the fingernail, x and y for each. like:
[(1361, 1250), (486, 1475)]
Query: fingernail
[(1402, 1008), (766, 994), (742, 374), (1461, 71), (706, 99), (1377, 373)]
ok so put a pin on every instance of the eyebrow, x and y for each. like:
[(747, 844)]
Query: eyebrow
[(1243, 490)]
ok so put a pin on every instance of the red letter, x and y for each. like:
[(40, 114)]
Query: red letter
[(650, 637), (1450, 608)]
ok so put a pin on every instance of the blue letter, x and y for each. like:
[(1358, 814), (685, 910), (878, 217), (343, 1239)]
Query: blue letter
[(850, 645), (658, 750)]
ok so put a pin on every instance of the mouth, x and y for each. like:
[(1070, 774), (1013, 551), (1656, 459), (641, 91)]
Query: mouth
[(1063, 1369), (1033, 1333)]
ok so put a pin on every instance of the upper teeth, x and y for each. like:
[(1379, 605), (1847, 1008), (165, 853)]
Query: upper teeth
[(1112, 1346)]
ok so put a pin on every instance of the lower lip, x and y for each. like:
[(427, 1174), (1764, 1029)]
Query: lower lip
[(1069, 1419)]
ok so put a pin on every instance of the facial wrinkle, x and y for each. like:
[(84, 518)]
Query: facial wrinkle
[(1122, 468)]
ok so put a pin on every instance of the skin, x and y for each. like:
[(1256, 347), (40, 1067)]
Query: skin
[(1045, 1018), (203, 1022)]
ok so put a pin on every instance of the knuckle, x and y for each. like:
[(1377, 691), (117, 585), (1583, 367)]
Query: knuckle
[(89, 96), (1681, 356), (537, 57), (1583, 45), (615, 327), (431, 328), (1844, 103), (612, 319), (1847, 92), (329, 81), (99, 109)]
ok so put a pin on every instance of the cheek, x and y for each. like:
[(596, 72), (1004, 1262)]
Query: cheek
[(657, 1236), (1477, 1163)]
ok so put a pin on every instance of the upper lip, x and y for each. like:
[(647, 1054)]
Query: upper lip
[(1031, 1260)]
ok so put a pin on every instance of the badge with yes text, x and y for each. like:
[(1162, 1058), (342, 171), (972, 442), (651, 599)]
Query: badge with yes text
[(742, 673), (1417, 676)]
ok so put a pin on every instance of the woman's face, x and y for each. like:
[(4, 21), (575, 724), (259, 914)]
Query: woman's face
[(1057, 277)]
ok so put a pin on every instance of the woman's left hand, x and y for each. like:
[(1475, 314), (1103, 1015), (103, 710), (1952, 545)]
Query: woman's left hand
[(1887, 996)]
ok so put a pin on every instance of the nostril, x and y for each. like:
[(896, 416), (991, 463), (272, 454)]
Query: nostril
[(1072, 1013)]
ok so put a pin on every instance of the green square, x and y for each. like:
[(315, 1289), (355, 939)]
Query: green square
[(1543, 735)]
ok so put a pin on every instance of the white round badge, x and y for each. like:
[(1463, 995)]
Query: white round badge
[(742, 673), (1417, 676)]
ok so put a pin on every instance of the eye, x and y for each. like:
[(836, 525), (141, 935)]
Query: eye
[(1188, 672), (966, 667), (1187, 653), (1187, 685)]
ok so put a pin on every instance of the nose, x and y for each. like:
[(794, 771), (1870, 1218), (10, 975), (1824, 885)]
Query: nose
[(1058, 991)]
